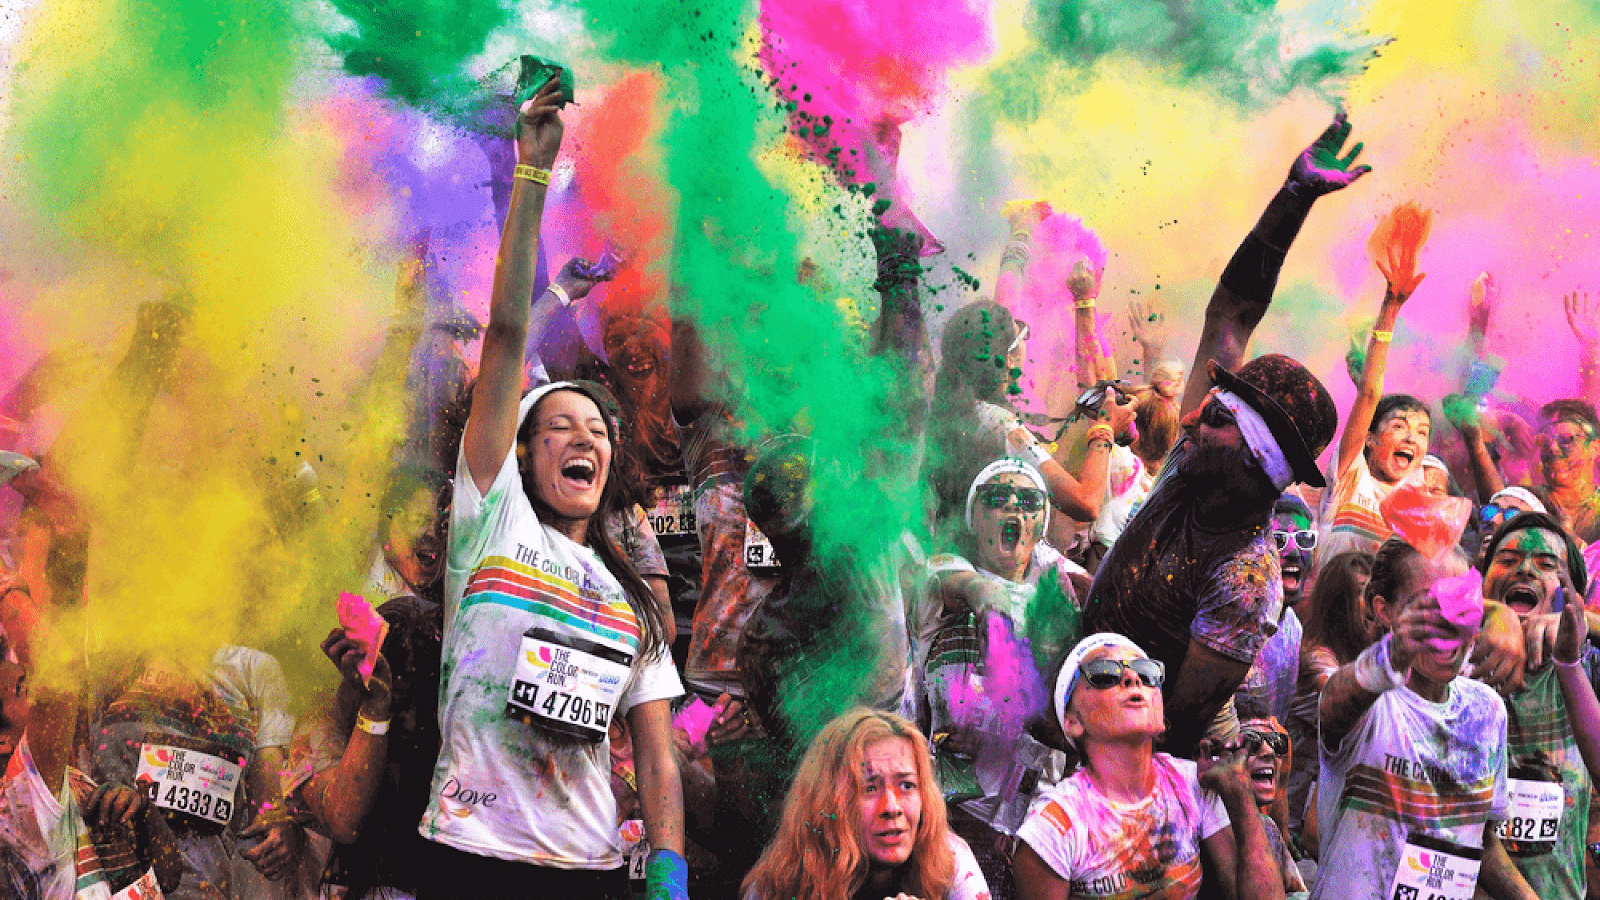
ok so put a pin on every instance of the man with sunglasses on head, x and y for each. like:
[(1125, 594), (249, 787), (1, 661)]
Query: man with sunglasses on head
[(1195, 576), (1131, 821)]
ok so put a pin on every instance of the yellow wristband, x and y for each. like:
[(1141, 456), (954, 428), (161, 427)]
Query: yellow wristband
[(1084, 304), (371, 727), (1383, 337), (533, 174), (1100, 432)]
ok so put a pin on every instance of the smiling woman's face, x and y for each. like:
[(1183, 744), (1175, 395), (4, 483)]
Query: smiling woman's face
[(571, 454), (1005, 536)]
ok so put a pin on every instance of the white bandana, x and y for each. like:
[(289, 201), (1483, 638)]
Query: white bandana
[(1258, 437)]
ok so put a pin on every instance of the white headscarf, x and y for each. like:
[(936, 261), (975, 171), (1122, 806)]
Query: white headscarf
[(1004, 466), (1067, 678)]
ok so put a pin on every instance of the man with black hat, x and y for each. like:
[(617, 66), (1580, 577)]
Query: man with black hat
[(1195, 578)]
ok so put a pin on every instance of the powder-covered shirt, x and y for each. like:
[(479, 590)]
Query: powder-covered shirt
[(504, 788), (1166, 580), (1270, 683), (1128, 482), (1351, 517), (29, 813), (1120, 851), (1408, 767), (1541, 745), (730, 588)]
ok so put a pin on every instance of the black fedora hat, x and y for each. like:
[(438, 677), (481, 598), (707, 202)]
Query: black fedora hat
[(1296, 407)]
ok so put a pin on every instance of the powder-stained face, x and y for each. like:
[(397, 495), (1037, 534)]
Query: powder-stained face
[(1262, 764), (1525, 571), (1398, 444), (890, 803), (571, 454), (1006, 536), (1289, 530), (1131, 709), (1566, 450)]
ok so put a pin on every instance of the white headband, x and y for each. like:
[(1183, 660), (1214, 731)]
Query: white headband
[(1067, 678), (1001, 467), (1258, 437), (1517, 492)]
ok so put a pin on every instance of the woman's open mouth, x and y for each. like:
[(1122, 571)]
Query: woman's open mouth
[(1010, 535), (579, 470)]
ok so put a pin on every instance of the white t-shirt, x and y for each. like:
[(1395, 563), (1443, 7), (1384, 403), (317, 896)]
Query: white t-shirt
[(504, 788), (30, 815), (1351, 515), (1128, 482), (1410, 766), (1109, 849)]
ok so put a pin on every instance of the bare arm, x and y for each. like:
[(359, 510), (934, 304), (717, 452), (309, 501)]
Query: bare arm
[(492, 421), (1581, 314), (340, 797), (1197, 693), (1035, 879), (1094, 362), (1353, 439), (1499, 877), (1462, 411), (656, 768), (1245, 289), (1240, 853)]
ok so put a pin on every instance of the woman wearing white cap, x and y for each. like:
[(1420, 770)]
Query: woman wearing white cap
[(1133, 819), (549, 631)]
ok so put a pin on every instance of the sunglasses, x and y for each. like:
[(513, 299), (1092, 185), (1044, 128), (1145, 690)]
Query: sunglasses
[(997, 496), (1215, 415), (1489, 513), (1305, 540), (1275, 741), (1104, 674)]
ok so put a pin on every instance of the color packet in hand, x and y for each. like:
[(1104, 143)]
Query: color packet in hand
[(363, 625)]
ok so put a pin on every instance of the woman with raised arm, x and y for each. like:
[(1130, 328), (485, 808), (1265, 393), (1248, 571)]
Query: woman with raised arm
[(549, 631)]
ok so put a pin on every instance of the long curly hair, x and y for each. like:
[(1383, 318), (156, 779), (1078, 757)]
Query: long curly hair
[(818, 851)]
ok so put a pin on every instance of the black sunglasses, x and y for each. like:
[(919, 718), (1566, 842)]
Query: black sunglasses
[(1104, 674), (1275, 741), (1305, 540), (1215, 415), (996, 496)]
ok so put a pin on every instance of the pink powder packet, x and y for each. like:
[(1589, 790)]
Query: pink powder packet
[(695, 720), (363, 625), (1431, 524)]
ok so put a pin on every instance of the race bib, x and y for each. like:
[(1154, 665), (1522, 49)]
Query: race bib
[(189, 781), (1433, 869), (635, 848), (673, 514), (758, 552), (1534, 821), (567, 684), (146, 888)]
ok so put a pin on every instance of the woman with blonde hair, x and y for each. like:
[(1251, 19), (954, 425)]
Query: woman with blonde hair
[(864, 819)]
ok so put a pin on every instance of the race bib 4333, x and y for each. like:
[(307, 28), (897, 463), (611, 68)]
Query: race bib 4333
[(188, 781)]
